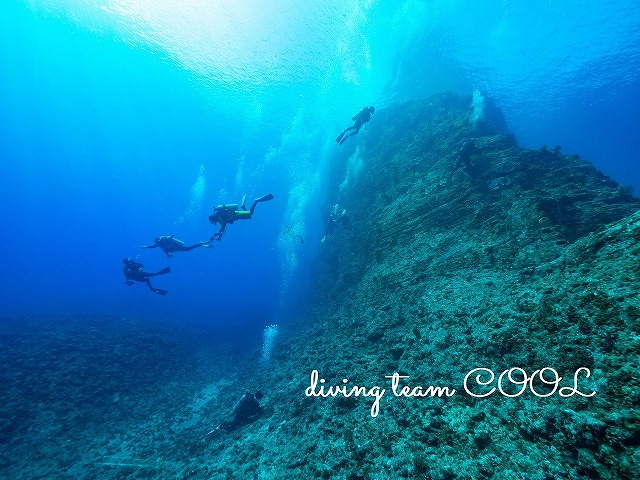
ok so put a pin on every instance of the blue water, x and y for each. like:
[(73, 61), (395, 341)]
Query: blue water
[(121, 121)]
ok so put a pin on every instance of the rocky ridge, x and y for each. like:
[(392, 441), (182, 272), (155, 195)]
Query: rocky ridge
[(522, 259)]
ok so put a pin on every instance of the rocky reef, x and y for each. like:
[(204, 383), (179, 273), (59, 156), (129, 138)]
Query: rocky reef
[(520, 259), (516, 261)]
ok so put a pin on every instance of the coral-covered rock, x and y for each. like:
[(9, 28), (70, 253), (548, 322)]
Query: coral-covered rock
[(517, 258)]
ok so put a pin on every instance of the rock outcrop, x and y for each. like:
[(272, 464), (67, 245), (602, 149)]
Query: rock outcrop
[(519, 258)]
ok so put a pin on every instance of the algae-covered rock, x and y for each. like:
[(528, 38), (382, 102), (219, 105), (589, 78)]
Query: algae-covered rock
[(520, 259), (514, 259)]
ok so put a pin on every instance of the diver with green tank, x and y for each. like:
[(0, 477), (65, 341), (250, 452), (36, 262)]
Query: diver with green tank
[(226, 214)]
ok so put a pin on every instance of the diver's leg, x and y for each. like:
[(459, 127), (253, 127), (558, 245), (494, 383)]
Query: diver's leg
[(195, 245), (327, 233), (356, 129), (264, 198), (343, 132), (164, 271), (159, 291), (347, 136)]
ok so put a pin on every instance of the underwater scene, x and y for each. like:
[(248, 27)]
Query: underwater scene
[(351, 240)]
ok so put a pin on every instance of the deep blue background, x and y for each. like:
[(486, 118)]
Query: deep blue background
[(104, 144), (103, 133)]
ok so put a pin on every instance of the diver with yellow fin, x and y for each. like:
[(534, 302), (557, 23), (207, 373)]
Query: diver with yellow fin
[(170, 244), (226, 214)]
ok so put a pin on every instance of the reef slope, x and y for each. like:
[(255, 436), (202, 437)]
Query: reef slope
[(522, 259)]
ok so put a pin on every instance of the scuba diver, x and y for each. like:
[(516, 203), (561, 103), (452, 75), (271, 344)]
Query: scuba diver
[(169, 244), (360, 118), (245, 411), (465, 152), (225, 214), (134, 273), (335, 218)]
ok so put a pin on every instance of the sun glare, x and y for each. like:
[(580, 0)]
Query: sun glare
[(254, 41)]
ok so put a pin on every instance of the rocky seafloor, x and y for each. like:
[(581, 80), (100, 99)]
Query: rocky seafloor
[(523, 259)]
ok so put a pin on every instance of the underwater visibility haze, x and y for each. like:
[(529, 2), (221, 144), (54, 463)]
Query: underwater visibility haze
[(126, 120), (121, 121)]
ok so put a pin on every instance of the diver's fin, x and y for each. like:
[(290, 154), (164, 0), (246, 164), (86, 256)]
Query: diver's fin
[(244, 199), (164, 270), (265, 198), (339, 137), (160, 291)]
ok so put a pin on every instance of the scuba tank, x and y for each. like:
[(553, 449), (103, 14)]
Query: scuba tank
[(175, 241)]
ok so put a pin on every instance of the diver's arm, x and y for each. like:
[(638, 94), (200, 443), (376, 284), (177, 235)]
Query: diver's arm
[(218, 235), (150, 246)]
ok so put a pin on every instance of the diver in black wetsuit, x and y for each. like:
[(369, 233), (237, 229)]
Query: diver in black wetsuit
[(169, 244), (335, 218), (465, 152), (360, 118), (226, 214), (133, 272), (245, 411)]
